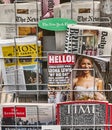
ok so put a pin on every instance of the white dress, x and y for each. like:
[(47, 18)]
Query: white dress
[(82, 93)]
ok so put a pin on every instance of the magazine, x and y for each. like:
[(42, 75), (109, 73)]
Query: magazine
[(19, 19), (47, 8), (59, 68), (29, 116), (109, 116), (89, 78), (66, 71), (82, 115), (21, 63), (88, 40)]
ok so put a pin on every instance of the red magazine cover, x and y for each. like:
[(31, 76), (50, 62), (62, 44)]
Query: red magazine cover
[(82, 115), (110, 116), (59, 68)]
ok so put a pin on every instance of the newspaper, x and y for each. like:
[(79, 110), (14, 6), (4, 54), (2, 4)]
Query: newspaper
[(83, 12), (29, 116), (106, 13), (21, 63), (88, 40), (109, 77), (19, 19)]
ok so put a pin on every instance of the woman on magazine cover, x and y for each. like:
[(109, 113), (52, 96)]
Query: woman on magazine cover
[(85, 85)]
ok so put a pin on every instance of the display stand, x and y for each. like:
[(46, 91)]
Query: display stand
[(25, 105)]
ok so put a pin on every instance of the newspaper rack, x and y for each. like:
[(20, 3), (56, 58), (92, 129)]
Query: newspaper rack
[(36, 113)]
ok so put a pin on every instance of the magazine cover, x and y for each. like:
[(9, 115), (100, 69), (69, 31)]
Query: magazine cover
[(16, 17), (89, 78), (21, 63), (82, 115), (47, 8), (84, 77), (28, 116), (88, 40), (109, 116), (59, 68)]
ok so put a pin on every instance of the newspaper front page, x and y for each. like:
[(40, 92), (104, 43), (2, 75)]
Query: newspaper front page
[(88, 40), (21, 63), (19, 19)]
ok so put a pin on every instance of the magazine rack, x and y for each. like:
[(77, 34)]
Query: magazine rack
[(31, 106)]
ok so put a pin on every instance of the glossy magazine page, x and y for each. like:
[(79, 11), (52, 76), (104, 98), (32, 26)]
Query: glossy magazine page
[(59, 68), (67, 77)]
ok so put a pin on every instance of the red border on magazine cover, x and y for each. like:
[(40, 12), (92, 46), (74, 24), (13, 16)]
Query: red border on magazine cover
[(110, 116), (83, 102)]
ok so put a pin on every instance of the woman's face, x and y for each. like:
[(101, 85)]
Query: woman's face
[(86, 64)]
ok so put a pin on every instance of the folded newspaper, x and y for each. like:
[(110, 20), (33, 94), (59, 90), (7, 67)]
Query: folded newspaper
[(29, 116), (80, 11), (83, 12), (19, 19), (21, 63), (106, 12), (89, 40)]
